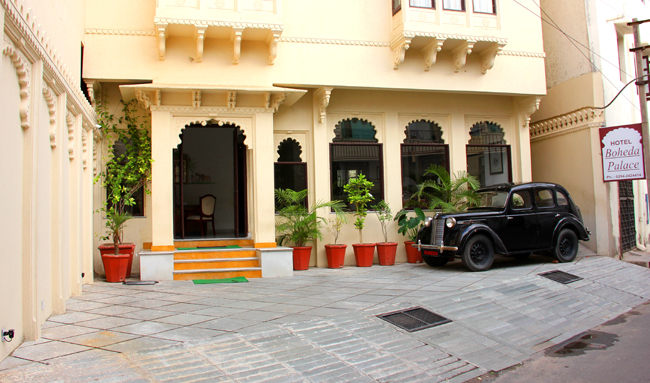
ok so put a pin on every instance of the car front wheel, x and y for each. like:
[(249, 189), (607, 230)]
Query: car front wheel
[(566, 247), (478, 254)]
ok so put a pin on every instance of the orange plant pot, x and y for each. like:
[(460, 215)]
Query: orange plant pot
[(386, 252), (412, 253), (335, 255), (125, 248), (301, 257), (364, 254), (115, 266)]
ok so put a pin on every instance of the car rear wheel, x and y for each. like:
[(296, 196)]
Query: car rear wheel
[(478, 254), (435, 261), (566, 247)]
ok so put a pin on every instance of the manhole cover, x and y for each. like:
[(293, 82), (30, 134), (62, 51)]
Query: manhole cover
[(414, 318), (560, 276)]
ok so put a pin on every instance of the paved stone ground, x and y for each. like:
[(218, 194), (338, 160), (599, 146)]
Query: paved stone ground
[(321, 324)]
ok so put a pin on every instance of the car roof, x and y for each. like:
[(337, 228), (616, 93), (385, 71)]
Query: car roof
[(515, 186)]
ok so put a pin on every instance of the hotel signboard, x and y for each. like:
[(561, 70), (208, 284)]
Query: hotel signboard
[(622, 151)]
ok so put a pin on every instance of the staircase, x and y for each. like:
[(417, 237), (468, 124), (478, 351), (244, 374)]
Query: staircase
[(198, 259)]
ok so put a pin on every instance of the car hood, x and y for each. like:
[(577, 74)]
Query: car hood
[(474, 213)]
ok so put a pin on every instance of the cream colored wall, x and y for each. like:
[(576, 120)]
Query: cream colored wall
[(44, 117)]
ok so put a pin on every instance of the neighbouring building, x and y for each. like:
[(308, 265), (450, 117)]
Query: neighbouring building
[(584, 71), (244, 96)]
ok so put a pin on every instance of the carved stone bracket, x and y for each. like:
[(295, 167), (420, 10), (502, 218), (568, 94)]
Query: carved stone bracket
[(70, 121), (84, 145), (267, 99), (232, 99), (50, 99), (277, 100), (235, 37), (430, 52), (196, 98), (399, 47), (143, 99), (160, 29), (200, 36), (272, 40), (90, 84), (22, 67), (322, 96), (158, 99), (489, 55), (460, 54), (528, 107)]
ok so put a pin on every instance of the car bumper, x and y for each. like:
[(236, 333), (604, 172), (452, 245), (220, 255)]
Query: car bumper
[(439, 248)]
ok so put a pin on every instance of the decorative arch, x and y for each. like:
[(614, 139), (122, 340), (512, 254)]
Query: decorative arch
[(180, 123), (423, 132), (487, 133), (375, 119), (23, 68), (355, 130), (289, 150)]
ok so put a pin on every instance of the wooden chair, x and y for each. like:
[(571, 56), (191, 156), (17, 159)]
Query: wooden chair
[(206, 213)]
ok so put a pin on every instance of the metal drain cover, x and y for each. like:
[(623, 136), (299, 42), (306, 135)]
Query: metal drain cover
[(560, 276), (414, 319)]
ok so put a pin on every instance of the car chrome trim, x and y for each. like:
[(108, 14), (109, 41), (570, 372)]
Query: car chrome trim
[(441, 248)]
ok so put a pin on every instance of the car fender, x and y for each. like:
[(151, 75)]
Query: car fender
[(573, 224), (463, 235)]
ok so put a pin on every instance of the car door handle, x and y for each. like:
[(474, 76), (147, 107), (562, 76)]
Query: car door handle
[(511, 217)]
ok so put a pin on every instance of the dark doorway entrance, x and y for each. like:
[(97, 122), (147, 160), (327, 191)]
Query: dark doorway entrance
[(210, 183), (626, 215)]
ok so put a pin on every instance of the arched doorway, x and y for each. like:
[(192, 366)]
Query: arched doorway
[(213, 165)]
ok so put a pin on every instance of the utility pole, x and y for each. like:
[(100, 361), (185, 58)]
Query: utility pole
[(641, 84)]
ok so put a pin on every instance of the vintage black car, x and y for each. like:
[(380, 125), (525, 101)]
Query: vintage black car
[(513, 220)]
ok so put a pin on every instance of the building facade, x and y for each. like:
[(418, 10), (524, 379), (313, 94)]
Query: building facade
[(584, 74)]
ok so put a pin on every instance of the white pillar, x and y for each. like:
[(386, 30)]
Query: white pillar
[(162, 187), (263, 181)]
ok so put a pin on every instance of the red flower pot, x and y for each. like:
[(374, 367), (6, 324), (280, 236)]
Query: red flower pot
[(335, 255), (115, 266), (125, 248), (412, 253), (364, 254), (386, 252), (301, 256)]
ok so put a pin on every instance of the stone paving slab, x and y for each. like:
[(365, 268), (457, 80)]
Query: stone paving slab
[(321, 324)]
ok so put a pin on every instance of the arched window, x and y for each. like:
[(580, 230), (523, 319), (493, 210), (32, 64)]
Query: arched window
[(353, 151), (488, 154), (290, 170), (423, 146)]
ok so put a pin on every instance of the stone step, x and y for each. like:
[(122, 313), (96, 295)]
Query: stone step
[(216, 263), (251, 272), (213, 242), (214, 253)]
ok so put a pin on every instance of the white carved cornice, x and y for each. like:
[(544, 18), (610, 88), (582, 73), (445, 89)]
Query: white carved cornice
[(460, 54), (522, 54), (161, 28), (399, 46), (218, 23), (488, 56), (182, 109), (50, 99), (235, 37), (529, 106), (84, 146), (375, 119), (22, 66), (452, 36), (309, 40), (581, 119), (200, 37), (70, 121), (300, 138), (430, 52), (322, 96), (119, 32), (181, 122)]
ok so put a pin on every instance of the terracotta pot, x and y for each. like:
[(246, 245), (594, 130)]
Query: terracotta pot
[(301, 256), (386, 252), (125, 248), (364, 254), (412, 253), (335, 255), (115, 266)]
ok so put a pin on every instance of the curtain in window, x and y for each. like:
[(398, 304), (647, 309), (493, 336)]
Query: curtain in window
[(456, 5), (422, 3), (483, 6)]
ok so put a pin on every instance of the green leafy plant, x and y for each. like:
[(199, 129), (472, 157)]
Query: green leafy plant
[(358, 191), (446, 193), (299, 224), (335, 225), (384, 214), (128, 167), (410, 226)]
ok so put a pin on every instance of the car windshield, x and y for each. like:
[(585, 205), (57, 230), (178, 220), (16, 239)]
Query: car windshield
[(492, 198)]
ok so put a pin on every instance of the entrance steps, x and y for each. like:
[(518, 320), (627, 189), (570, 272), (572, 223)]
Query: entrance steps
[(201, 259)]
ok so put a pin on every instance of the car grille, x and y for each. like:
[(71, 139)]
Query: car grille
[(437, 231)]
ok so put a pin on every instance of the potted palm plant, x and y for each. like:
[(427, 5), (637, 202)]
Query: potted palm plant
[(358, 191), (128, 169), (298, 224), (409, 227), (385, 250), (446, 193), (335, 252)]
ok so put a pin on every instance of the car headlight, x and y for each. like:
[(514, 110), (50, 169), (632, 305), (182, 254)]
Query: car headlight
[(428, 222), (450, 222)]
